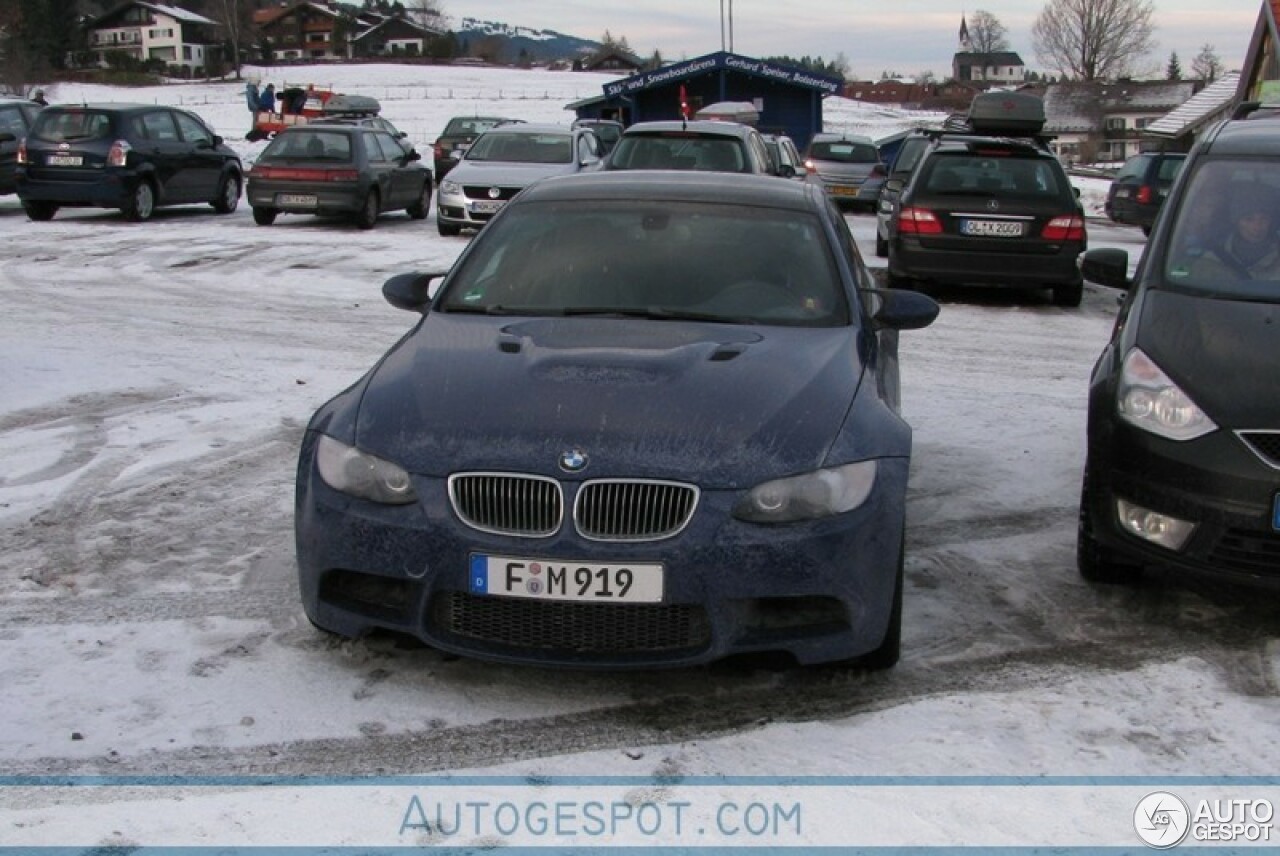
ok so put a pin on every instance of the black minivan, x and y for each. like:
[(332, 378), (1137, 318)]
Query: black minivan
[(1183, 456), (135, 157)]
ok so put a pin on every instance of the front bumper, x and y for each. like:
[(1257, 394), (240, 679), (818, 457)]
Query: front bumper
[(819, 590), (1216, 482), (455, 209)]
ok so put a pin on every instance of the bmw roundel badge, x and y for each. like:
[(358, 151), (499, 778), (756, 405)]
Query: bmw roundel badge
[(573, 460)]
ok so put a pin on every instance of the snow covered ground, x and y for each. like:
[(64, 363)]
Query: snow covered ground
[(157, 378)]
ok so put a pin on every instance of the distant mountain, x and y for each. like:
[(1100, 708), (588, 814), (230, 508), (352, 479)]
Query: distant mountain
[(508, 42)]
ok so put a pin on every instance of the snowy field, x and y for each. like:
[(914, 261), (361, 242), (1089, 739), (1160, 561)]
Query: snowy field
[(157, 379)]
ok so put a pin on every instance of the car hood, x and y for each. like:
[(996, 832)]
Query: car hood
[(1221, 352), (714, 403), (506, 173)]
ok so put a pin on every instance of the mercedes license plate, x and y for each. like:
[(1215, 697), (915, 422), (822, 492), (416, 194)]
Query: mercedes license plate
[(296, 200), (65, 160), (554, 579), (487, 206), (991, 228)]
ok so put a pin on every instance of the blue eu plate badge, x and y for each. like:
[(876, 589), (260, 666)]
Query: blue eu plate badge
[(479, 575), (1275, 512)]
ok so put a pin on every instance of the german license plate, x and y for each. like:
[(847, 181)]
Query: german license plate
[(844, 191), (296, 200), (553, 579), (65, 160), (991, 228), (487, 206), (1122, 192)]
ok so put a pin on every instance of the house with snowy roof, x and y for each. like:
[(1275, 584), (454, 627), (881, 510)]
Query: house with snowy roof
[(1099, 122), (183, 40)]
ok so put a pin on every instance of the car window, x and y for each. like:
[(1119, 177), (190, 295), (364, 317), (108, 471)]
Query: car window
[(473, 125), (1226, 229), (1134, 167), (192, 130), (711, 262), (1168, 169), (372, 150), (844, 151), (391, 149), (977, 174), (909, 155), (522, 148), (12, 121), (158, 125), (71, 126), (312, 144)]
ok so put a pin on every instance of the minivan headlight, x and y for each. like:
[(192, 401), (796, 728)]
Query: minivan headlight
[(821, 493), (347, 469), (1147, 399)]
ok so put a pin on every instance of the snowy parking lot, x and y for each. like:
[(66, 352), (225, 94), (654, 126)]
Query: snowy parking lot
[(157, 380)]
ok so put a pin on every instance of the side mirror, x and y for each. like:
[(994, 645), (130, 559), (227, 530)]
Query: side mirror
[(217, 140), (412, 155), (411, 291), (894, 185), (787, 171), (1107, 266), (903, 309)]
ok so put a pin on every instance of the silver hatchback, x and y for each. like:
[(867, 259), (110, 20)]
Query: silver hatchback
[(847, 166)]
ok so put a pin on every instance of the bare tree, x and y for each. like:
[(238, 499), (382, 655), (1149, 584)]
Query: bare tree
[(1206, 66), (236, 18), (986, 33), (1093, 39), (428, 14)]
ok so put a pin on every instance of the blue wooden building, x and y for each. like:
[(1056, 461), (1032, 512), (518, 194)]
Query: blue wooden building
[(789, 99)]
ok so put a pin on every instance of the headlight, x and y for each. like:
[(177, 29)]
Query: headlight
[(818, 494), (1147, 399), (352, 471), (450, 187)]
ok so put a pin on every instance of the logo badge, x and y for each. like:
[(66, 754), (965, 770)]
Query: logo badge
[(993, 205), (494, 193), (573, 460), (1161, 820)]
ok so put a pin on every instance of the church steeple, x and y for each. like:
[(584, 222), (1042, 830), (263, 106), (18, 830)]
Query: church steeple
[(965, 44)]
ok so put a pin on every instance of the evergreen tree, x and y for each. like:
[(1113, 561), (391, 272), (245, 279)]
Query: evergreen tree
[(1174, 70)]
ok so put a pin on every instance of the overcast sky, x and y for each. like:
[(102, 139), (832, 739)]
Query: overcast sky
[(903, 36)]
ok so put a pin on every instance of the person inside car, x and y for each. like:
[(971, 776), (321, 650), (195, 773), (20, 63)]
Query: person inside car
[(1251, 250), (38, 97)]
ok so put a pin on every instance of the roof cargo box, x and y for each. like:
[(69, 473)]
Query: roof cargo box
[(338, 103), (1006, 113), (730, 111)]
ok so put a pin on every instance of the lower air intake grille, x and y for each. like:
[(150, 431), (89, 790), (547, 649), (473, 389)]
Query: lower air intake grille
[(573, 627), (1247, 551)]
